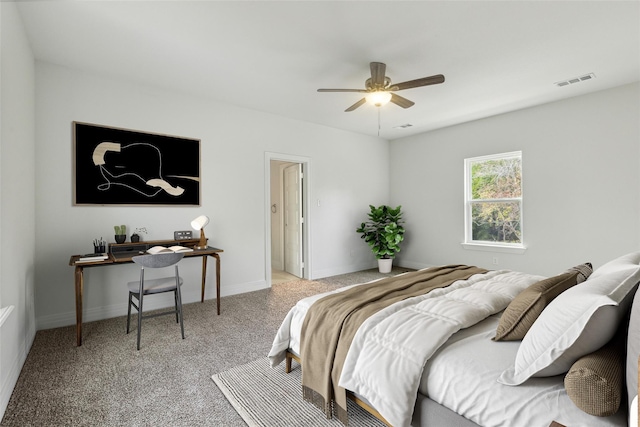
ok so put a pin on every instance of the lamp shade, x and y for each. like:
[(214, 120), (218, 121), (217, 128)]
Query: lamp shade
[(378, 98), (200, 222)]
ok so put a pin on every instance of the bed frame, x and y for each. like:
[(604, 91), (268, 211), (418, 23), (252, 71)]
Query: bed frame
[(428, 412), (290, 356)]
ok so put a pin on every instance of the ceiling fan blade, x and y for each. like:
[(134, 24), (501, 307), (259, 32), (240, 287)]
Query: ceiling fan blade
[(356, 105), (342, 90), (377, 74), (425, 81), (402, 102)]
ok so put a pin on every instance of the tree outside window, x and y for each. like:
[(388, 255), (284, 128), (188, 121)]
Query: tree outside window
[(493, 199)]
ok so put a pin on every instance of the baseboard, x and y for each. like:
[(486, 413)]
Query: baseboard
[(106, 312), (243, 288), (328, 272), (413, 264), (159, 301), (10, 382), (10, 375)]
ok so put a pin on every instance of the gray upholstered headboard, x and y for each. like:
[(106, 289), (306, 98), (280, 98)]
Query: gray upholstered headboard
[(633, 349)]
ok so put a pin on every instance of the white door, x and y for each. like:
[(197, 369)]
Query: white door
[(293, 220)]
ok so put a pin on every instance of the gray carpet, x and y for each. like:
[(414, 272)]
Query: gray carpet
[(106, 382)]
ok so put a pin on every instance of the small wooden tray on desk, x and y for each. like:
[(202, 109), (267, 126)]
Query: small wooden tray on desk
[(122, 253)]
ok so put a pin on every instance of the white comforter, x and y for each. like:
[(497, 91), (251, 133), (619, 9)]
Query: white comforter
[(404, 336), (462, 375)]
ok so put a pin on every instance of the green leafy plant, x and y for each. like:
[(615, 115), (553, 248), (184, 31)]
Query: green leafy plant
[(120, 229), (383, 232)]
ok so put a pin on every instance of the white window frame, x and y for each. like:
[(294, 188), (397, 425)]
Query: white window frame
[(469, 243)]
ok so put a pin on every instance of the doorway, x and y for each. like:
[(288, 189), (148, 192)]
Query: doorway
[(287, 219)]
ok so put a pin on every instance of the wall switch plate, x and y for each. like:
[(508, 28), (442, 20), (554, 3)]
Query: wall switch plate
[(182, 235)]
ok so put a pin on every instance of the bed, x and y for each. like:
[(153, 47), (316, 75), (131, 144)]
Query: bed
[(492, 348)]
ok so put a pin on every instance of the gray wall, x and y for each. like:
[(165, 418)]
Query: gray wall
[(233, 146), (581, 183), (17, 203)]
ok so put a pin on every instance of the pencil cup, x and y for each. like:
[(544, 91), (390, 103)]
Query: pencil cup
[(98, 249)]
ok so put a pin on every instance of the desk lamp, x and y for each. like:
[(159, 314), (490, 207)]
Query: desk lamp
[(199, 224)]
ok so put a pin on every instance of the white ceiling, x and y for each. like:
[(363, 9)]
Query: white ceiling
[(496, 56)]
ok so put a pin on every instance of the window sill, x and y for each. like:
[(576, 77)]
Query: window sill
[(4, 313), (487, 247)]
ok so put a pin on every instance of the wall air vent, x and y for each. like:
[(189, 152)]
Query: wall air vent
[(404, 126), (575, 80)]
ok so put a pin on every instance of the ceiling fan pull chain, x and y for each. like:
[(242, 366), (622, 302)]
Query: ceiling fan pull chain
[(378, 120)]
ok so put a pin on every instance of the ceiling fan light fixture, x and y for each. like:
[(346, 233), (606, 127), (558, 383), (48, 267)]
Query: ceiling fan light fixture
[(378, 98)]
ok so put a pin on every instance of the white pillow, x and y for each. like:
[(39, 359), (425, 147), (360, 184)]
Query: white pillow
[(578, 322), (626, 261)]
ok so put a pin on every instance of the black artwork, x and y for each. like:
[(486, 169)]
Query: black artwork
[(123, 167)]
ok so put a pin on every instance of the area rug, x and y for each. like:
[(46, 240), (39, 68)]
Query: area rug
[(269, 397)]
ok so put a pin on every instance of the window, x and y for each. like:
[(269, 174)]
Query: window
[(493, 201)]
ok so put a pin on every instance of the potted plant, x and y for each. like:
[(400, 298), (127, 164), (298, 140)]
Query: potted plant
[(121, 233), (383, 232), (135, 237)]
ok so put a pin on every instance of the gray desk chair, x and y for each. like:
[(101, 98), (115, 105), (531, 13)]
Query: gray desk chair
[(139, 289)]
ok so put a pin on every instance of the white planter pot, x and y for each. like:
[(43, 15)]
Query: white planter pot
[(384, 265)]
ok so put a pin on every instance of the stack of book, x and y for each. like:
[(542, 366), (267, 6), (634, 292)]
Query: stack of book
[(92, 257)]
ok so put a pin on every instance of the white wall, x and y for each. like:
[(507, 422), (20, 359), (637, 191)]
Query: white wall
[(234, 142), (581, 183), (17, 205)]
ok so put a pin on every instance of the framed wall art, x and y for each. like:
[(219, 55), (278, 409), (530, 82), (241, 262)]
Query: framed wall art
[(114, 166)]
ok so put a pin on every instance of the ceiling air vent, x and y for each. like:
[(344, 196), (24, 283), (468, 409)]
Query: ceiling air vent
[(575, 80)]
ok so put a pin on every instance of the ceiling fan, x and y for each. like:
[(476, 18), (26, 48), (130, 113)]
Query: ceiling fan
[(379, 89)]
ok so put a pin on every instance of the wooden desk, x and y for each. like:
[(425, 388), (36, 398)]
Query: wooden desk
[(124, 252)]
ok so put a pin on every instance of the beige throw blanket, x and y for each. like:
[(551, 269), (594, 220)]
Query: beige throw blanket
[(331, 323)]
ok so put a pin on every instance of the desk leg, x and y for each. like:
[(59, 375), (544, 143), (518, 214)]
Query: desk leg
[(79, 279), (217, 257), (204, 276)]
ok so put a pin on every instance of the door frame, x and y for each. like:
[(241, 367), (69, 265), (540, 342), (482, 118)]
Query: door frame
[(306, 197)]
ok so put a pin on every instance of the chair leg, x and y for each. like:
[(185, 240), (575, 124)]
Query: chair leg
[(175, 300), (179, 303), (129, 313), (139, 317)]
